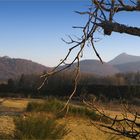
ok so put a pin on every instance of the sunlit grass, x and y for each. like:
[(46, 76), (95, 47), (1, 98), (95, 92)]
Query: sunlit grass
[(20, 104), (78, 124), (38, 127), (55, 106)]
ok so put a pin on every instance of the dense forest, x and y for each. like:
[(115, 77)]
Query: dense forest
[(119, 86)]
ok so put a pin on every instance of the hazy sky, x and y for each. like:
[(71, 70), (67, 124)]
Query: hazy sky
[(32, 29)]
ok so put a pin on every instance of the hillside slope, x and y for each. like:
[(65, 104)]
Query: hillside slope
[(12, 67), (96, 67), (124, 58), (129, 67)]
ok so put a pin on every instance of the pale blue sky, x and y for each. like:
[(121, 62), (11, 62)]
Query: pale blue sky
[(32, 29)]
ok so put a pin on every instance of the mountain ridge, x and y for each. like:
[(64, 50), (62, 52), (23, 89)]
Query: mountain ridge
[(95, 66), (129, 67), (14, 67), (124, 58)]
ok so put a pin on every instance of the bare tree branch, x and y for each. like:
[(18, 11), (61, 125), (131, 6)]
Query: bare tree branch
[(110, 27), (125, 126), (101, 15)]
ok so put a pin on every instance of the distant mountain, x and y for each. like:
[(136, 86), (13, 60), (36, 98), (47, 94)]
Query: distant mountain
[(124, 58), (97, 68), (129, 67), (12, 67)]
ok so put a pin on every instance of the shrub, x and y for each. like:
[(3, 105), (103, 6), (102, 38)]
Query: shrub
[(4, 136), (38, 127), (54, 106), (50, 105)]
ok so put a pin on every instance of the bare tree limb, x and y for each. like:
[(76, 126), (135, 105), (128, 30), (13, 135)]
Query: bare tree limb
[(101, 15), (110, 27)]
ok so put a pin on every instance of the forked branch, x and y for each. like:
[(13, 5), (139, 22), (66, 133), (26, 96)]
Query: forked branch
[(101, 15), (127, 125)]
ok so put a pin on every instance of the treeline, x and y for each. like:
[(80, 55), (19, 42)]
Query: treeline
[(119, 86)]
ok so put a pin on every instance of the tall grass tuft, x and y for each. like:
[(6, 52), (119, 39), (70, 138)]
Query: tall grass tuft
[(54, 106), (38, 127), (50, 105), (4, 136)]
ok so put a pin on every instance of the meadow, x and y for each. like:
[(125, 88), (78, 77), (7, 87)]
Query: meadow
[(41, 119)]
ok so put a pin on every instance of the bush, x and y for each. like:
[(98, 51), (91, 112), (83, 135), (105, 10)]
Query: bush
[(54, 106), (50, 105), (38, 127), (4, 136)]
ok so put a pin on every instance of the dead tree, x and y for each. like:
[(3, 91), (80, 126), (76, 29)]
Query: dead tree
[(100, 19)]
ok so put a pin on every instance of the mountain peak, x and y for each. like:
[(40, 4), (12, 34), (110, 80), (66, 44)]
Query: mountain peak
[(123, 54), (124, 58), (5, 57)]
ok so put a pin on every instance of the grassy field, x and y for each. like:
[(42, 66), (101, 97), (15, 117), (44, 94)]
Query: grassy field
[(80, 128)]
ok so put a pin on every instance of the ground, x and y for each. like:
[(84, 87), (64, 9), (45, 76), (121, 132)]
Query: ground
[(80, 128)]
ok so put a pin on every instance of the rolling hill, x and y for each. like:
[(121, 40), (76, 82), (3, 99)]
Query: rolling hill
[(123, 63), (96, 67), (13, 67), (129, 67)]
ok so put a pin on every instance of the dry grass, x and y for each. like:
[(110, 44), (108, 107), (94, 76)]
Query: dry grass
[(18, 104), (13, 103), (7, 126), (81, 129)]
